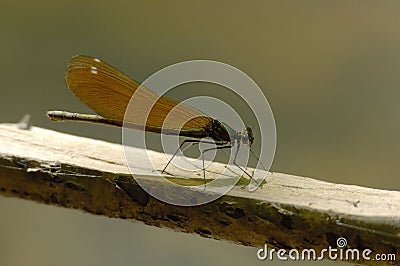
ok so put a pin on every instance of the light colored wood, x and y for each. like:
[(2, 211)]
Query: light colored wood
[(287, 211)]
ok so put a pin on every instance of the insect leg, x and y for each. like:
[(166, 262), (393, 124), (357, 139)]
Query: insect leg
[(193, 141), (235, 163), (258, 159), (210, 149)]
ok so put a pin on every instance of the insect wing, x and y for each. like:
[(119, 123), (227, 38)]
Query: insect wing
[(107, 91)]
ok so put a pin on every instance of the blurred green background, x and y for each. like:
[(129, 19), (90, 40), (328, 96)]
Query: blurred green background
[(330, 70)]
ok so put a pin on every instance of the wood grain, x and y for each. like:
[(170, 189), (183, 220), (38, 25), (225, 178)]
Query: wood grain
[(286, 212)]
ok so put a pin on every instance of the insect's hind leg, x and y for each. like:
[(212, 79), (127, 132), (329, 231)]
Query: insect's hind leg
[(193, 141)]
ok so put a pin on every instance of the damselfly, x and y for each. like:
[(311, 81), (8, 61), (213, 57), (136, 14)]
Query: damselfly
[(107, 91)]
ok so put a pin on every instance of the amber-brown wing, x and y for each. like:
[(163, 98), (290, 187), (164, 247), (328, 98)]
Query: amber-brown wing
[(107, 91)]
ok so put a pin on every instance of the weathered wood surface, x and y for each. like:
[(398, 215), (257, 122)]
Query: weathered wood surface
[(286, 212)]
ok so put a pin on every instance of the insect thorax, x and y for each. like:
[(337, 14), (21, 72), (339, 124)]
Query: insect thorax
[(221, 132)]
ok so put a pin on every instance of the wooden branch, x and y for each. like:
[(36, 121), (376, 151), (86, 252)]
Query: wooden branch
[(286, 212)]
